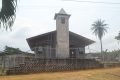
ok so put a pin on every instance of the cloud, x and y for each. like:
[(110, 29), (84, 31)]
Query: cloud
[(16, 37), (21, 33), (108, 43), (23, 28)]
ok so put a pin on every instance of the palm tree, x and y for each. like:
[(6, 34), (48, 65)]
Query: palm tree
[(99, 30), (8, 13), (118, 37)]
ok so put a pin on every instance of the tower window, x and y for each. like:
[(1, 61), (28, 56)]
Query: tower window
[(62, 20)]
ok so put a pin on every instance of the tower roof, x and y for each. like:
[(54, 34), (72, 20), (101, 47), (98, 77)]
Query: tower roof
[(62, 11)]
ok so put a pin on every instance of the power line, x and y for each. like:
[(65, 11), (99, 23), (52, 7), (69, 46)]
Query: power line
[(93, 2)]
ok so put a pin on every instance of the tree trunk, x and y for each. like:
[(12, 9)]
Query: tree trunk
[(102, 55), (101, 45)]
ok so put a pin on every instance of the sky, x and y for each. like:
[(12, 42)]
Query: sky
[(35, 17), (0, 4)]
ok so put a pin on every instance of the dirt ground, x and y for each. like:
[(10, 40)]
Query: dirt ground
[(96, 74)]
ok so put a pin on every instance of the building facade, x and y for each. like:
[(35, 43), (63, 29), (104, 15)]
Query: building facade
[(60, 43)]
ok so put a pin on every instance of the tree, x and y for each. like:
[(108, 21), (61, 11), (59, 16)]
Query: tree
[(8, 13), (118, 37), (99, 30), (8, 51), (11, 50)]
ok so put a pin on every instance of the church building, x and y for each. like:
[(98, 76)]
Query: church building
[(60, 43)]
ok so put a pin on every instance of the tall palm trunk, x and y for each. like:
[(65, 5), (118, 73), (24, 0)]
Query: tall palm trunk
[(101, 45), (102, 55)]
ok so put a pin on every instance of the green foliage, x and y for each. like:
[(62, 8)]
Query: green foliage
[(99, 28), (108, 56), (114, 52), (118, 37), (11, 50), (113, 55), (7, 13)]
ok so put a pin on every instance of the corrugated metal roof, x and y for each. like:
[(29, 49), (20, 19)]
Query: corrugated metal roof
[(76, 37)]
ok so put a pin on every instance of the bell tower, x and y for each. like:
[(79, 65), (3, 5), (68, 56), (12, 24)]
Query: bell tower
[(62, 34)]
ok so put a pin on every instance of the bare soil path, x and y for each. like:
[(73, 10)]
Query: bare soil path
[(95, 74)]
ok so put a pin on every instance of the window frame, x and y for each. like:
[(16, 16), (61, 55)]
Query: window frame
[(63, 20)]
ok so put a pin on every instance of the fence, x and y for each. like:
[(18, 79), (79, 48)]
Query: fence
[(105, 56), (13, 60), (30, 63)]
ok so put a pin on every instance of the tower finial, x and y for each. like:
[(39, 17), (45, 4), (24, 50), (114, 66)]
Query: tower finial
[(62, 11)]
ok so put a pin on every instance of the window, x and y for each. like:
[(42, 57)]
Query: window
[(62, 20), (81, 52)]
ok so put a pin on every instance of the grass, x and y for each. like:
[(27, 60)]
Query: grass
[(0, 70), (96, 74)]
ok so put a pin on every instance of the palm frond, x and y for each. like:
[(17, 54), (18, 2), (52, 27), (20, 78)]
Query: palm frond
[(8, 13), (99, 28), (118, 37)]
